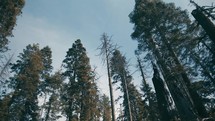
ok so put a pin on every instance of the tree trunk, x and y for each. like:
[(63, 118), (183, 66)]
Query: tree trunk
[(182, 102), (163, 97), (124, 80), (193, 96), (110, 87)]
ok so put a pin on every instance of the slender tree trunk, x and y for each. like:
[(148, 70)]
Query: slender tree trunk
[(127, 95), (110, 86)]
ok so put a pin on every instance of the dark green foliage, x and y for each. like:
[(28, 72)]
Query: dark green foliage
[(23, 103), (4, 74), (106, 108), (9, 10), (133, 104), (80, 92), (4, 107), (118, 70), (165, 104), (31, 78), (160, 28), (53, 90), (207, 91), (151, 111)]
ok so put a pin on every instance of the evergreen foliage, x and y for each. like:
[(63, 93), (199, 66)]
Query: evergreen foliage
[(182, 56), (23, 103), (80, 92), (151, 111), (133, 104), (9, 10), (160, 28), (106, 108)]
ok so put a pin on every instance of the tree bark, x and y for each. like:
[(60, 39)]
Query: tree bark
[(182, 101)]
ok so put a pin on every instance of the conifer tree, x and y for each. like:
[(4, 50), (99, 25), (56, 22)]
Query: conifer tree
[(133, 104), (106, 108), (52, 106), (118, 70), (23, 103), (80, 90), (9, 10)]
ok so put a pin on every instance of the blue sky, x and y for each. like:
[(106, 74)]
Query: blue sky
[(58, 23)]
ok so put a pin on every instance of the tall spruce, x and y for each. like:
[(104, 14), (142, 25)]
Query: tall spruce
[(106, 48), (80, 91), (157, 27)]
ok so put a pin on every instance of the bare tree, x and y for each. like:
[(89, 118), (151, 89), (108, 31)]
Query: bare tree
[(106, 49)]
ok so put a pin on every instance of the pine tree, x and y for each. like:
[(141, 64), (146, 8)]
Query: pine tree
[(9, 10), (23, 103), (80, 91)]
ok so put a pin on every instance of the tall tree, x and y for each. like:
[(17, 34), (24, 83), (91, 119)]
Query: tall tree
[(158, 27), (133, 103), (9, 10), (23, 103), (106, 49), (80, 91), (46, 85), (119, 72)]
